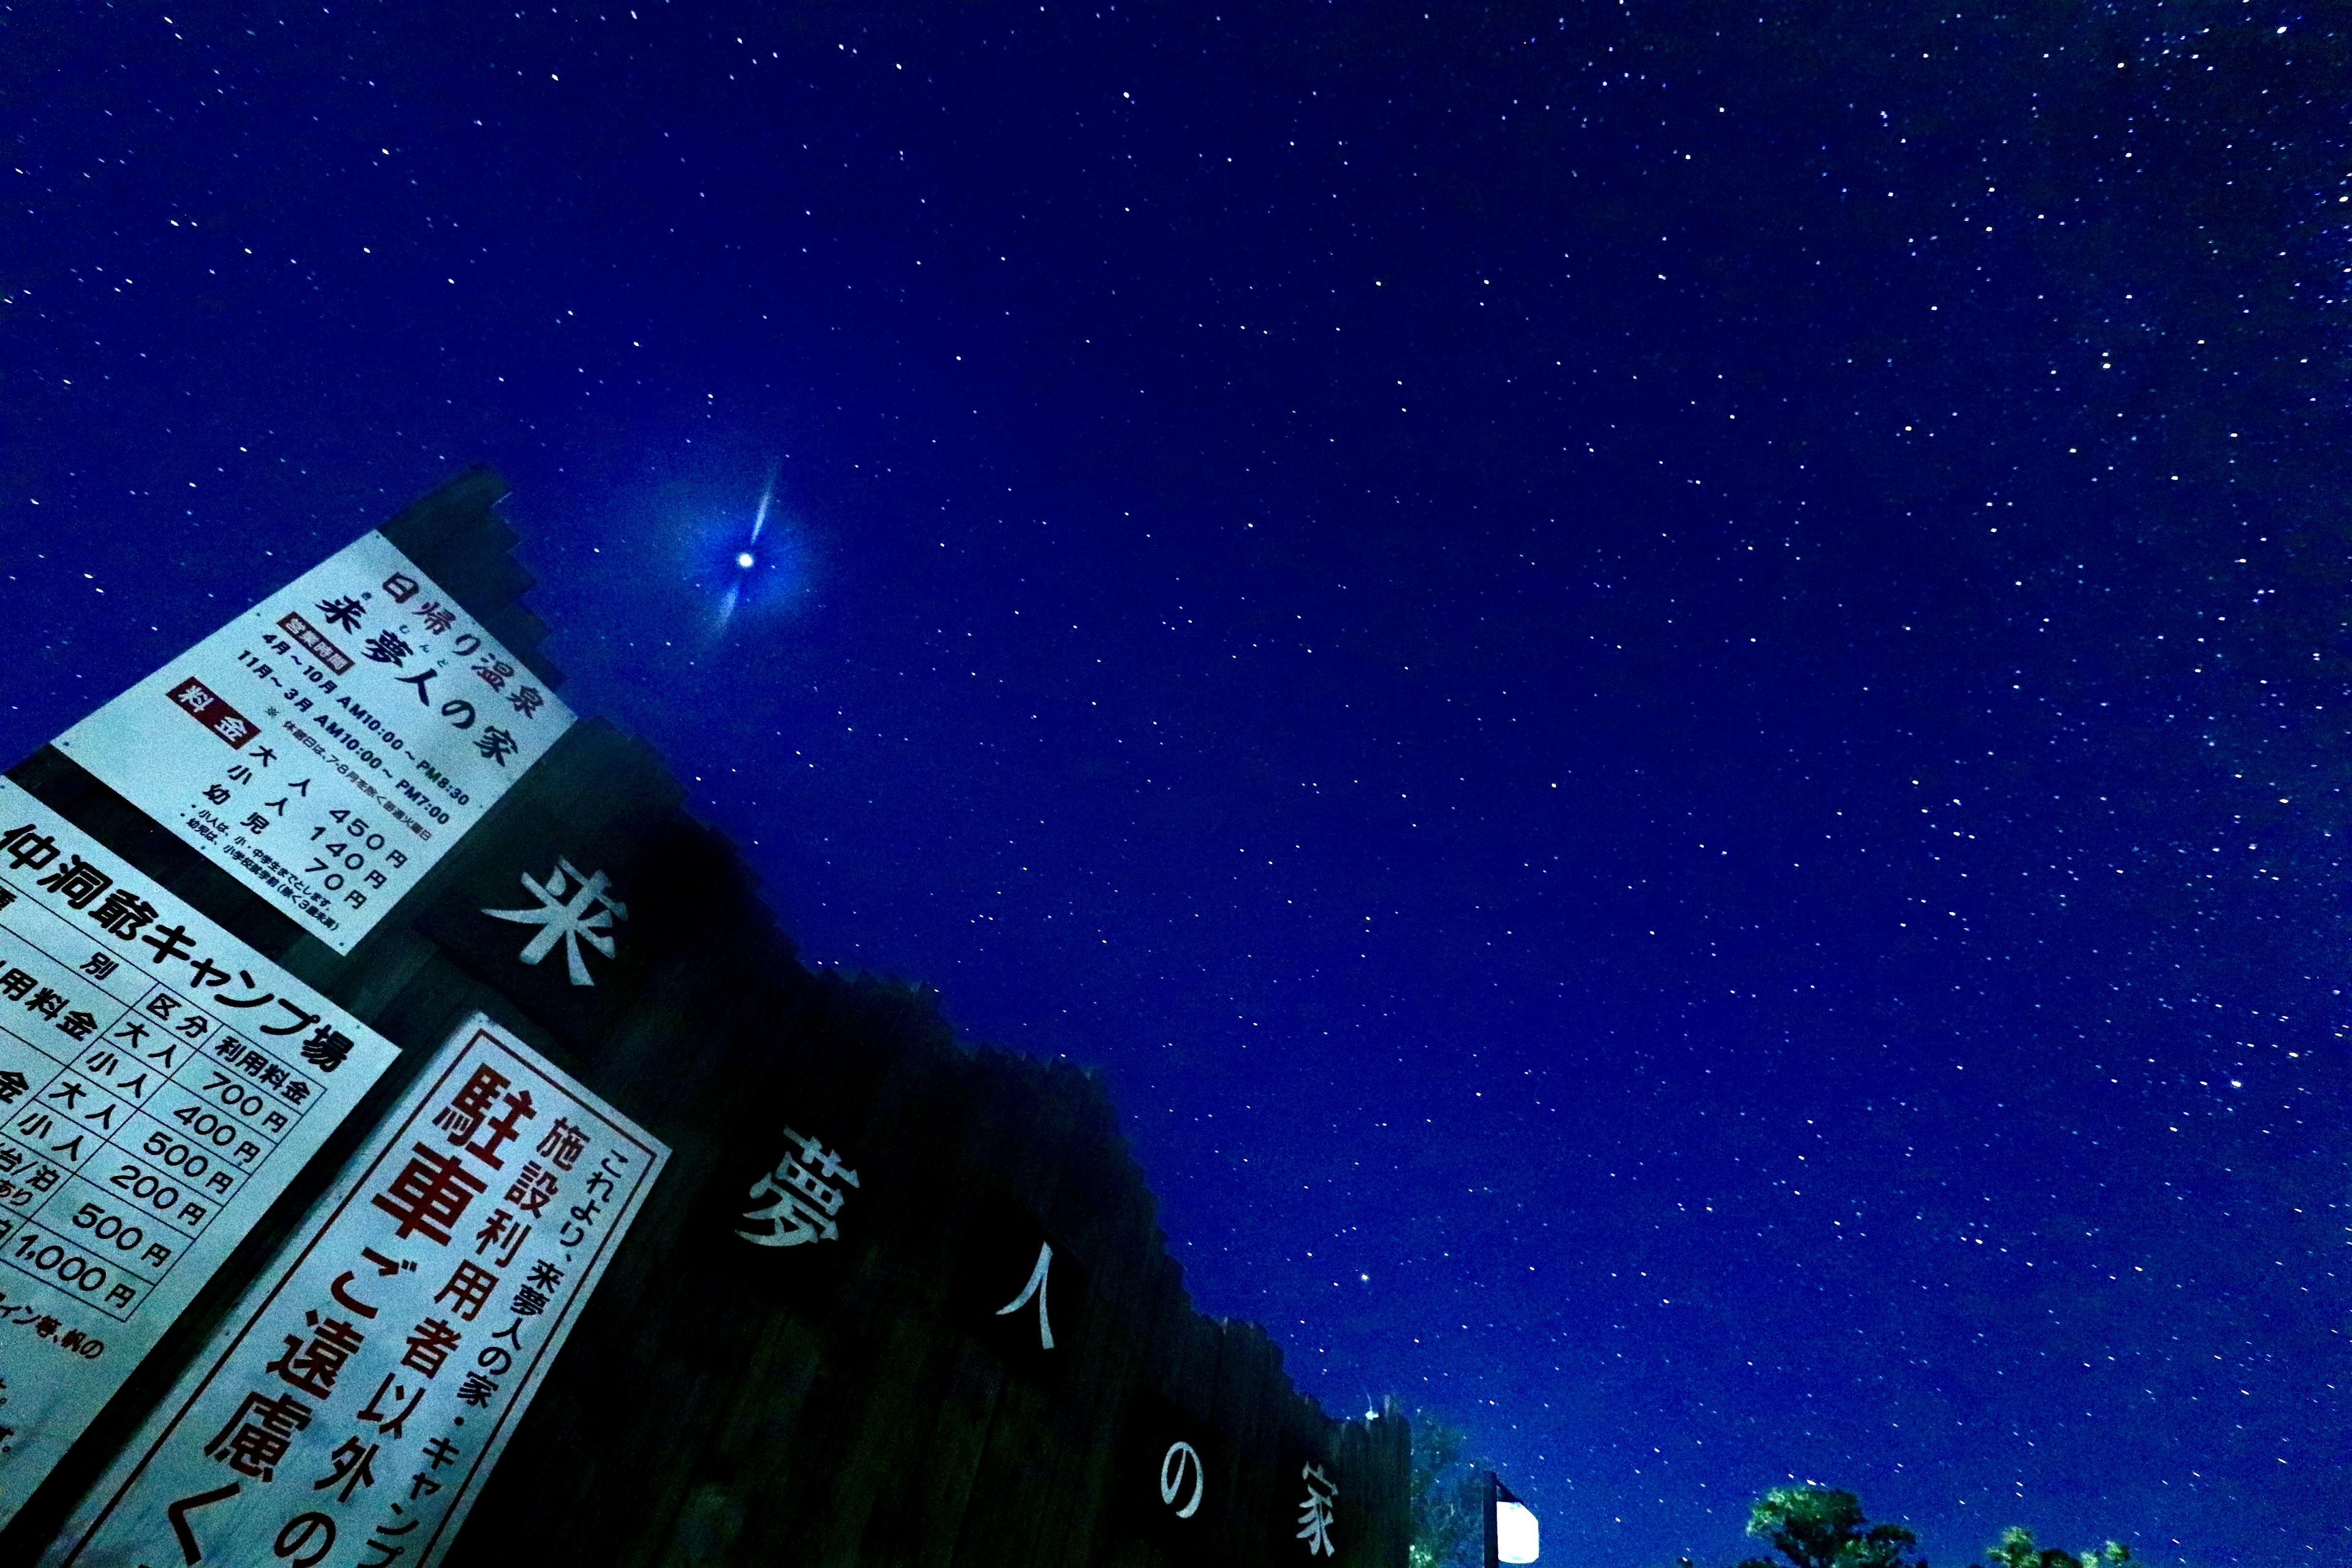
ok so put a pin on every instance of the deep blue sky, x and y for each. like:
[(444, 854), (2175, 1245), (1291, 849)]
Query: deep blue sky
[(1667, 692)]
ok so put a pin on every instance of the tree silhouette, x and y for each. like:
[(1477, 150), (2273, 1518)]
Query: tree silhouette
[(1816, 1527)]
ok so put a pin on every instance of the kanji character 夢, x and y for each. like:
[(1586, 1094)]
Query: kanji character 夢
[(429, 1345), (803, 1198), (563, 1145), (312, 1367), (532, 1189), (469, 1288), (572, 910), (29, 849), (123, 913), (528, 1302), (255, 1438), (430, 1193), (386, 648), (344, 611), (77, 881)]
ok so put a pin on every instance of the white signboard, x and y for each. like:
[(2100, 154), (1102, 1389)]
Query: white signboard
[(354, 1402), (159, 1085), (329, 746)]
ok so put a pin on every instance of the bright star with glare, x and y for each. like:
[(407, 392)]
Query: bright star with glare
[(745, 561)]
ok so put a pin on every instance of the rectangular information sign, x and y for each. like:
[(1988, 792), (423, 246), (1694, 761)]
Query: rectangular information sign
[(356, 1399), (159, 1085), (328, 746)]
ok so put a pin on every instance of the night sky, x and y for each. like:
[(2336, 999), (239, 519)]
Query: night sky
[(1665, 691)]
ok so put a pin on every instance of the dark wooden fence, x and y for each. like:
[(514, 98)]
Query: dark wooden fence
[(854, 1400)]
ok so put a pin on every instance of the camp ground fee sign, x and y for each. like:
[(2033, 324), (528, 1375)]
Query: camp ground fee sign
[(329, 745), (354, 1402), (159, 1085)]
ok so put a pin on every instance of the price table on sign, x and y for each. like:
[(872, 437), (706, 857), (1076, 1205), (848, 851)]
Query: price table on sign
[(159, 1086)]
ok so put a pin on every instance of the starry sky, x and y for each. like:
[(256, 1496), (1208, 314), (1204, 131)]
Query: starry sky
[(1665, 689)]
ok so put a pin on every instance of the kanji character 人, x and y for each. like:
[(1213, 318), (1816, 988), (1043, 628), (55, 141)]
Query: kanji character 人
[(429, 1345), (123, 913), (419, 680), (255, 1438), (77, 881), (572, 910), (313, 1367), (354, 1466), (470, 1286), (430, 1194)]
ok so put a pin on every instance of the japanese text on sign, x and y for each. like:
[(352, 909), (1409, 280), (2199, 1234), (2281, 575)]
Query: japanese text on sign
[(360, 1394), (329, 745), (159, 1084)]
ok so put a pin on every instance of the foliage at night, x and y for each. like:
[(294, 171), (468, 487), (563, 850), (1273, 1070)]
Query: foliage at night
[(1448, 1526)]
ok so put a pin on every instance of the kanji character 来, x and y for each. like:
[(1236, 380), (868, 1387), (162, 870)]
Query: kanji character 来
[(344, 611)]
